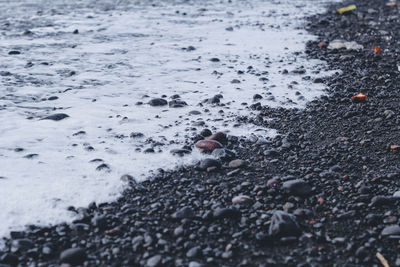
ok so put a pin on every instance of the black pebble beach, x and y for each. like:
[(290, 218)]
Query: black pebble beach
[(325, 192)]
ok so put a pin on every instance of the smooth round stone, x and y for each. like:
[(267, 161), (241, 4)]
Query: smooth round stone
[(284, 224), (219, 136), (237, 163), (223, 154), (184, 213), (297, 187), (391, 230), (208, 145), (242, 199), (227, 213), (154, 261), (177, 103), (158, 102), (195, 264), (207, 163), (56, 117), (74, 256), (396, 194)]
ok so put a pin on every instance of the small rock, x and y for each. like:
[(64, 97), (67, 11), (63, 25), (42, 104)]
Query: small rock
[(103, 167), (284, 224), (136, 135), (227, 213), (396, 194), (209, 163), (9, 259), (158, 102), (213, 100), (193, 252), (223, 154), (205, 132), (241, 199), (74, 256), (391, 230), (154, 261), (56, 117), (180, 152), (237, 163), (184, 213), (297, 187), (382, 201), (195, 264), (23, 244), (208, 145), (177, 103), (219, 137)]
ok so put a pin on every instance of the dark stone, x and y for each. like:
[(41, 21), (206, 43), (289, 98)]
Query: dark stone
[(56, 117), (158, 102), (23, 244), (74, 256), (136, 135), (205, 132), (382, 201), (193, 252), (223, 154), (177, 103), (391, 230), (214, 100), (103, 167), (184, 213), (297, 187), (207, 163), (227, 213), (9, 258), (284, 224), (154, 261), (180, 152)]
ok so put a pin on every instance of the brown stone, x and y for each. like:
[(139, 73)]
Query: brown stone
[(208, 145), (219, 136)]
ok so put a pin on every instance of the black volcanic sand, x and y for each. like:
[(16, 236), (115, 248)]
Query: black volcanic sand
[(341, 206)]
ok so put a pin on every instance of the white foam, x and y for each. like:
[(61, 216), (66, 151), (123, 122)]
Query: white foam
[(120, 55)]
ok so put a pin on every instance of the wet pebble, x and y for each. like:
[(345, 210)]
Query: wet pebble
[(284, 224), (209, 163), (56, 117), (208, 145), (391, 230), (184, 213), (227, 213), (297, 187), (158, 102), (154, 261), (237, 163), (241, 199), (74, 256)]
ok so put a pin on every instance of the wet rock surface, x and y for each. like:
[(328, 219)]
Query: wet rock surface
[(341, 150)]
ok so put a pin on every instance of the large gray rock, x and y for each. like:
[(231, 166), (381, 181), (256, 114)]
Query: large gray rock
[(284, 224), (297, 187)]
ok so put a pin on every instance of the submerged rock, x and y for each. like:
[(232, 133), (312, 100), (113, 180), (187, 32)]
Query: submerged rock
[(56, 117), (208, 145), (158, 102)]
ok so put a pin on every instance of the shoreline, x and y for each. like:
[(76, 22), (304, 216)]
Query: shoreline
[(337, 151)]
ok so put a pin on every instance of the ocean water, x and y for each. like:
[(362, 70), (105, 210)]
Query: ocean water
[(126, 52)]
